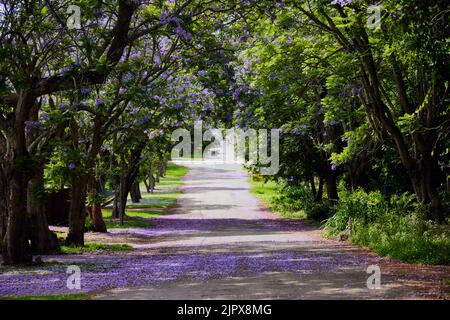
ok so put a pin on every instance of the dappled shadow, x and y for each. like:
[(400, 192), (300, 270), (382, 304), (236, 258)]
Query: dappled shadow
[(231, 225), (260, 270)]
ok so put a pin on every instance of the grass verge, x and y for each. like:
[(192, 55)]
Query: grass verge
[(94, 246), (266, 192), (80, 296), (152, 205)]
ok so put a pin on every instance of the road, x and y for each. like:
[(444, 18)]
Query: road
[(230, 247)]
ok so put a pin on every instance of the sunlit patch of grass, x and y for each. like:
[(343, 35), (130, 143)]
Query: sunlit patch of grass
[(263, 191), (139, 215), (133, 219), (173, 176), (115, 224), (134, 213), (401, 241), (94, 246), (79, 296), (266, 192)]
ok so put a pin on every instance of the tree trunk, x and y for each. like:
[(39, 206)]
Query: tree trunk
[(160, 169), (135, 192), (16, 244), (77, 211), (95, 211), (123, 195), (331, 184), (16, 166), (97, 218), (319, 193), (152, 183), (115, 209), (151, 178), (426, 183), (313, 185), (147, 186), (43, 241), (3, 210)]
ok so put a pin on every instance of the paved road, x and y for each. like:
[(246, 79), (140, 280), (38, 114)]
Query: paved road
[(232, 248)]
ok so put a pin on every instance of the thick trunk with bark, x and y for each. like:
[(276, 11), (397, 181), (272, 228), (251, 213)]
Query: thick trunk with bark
[(97, 218), (426, 183), (135, 192), (16, 247), (43, 241), (77, 211), (124, 188), (3, 210), (331, 185), (16, 166), (95, 211)]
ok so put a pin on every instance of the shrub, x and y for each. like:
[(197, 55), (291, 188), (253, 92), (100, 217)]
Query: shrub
[(295, 198), (292, 198), (408, 238), (356, 206), (398, 229)]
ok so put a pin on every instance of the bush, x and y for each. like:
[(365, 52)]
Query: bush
[(408, 238), (356, 206), (292, 198), (398, 229), (296, 198)]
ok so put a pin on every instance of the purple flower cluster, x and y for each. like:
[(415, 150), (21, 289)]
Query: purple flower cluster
[(341, 2), (29, 125)]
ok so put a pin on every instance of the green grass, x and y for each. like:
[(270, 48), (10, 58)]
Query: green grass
[(115, 224), (145, 214), (266, 192), (401, 239), (173, 176), (157, 200), (80, 296), (263, 191), (94, 246), (152, 204)]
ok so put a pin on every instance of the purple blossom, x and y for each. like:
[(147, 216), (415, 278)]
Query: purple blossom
[(72, 166), (183, 33), (333, 167), (63, 107), (136, 55), (98, 101), (341, 2), (333, 122), (29, 124)]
